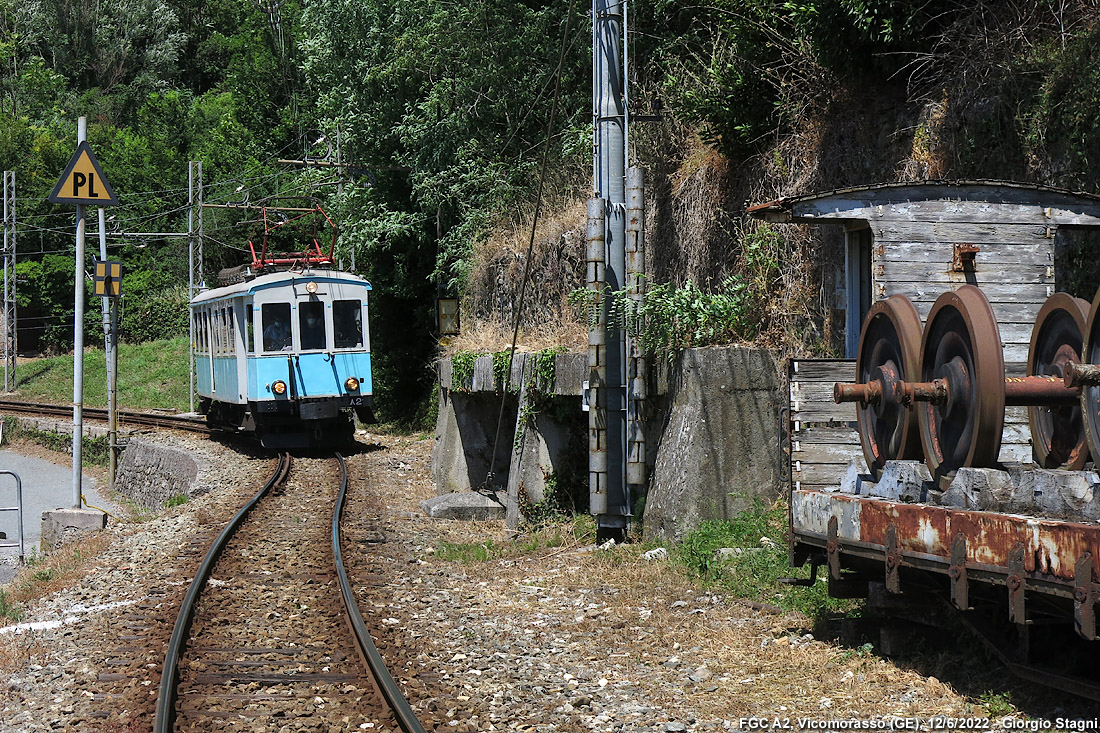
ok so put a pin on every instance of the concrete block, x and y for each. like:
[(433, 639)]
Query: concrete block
[(1055, 493), (463, 505), (63, 525), (986, 489), (907, 481), (855, 482), (717, 451)]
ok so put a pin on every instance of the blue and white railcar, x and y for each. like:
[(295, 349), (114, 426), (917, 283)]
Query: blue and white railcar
[(286, 355)]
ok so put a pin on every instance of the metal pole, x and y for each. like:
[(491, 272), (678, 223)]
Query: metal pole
[(12, 323), (7, 287), (191, 284), (78, 338), (635, 288), (609, 121), (110, 354)]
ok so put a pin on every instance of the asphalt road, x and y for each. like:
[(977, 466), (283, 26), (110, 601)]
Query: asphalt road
[(45, 486)]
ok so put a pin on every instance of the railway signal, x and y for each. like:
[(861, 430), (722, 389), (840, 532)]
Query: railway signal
[(81, 183)]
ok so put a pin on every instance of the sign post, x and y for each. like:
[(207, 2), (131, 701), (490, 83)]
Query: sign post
[(81, 183)]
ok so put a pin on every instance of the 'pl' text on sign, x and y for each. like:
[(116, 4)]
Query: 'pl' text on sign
[(83, 181)]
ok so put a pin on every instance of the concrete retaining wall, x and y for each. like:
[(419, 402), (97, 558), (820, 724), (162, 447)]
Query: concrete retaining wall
[(712, 435), (719, 444)]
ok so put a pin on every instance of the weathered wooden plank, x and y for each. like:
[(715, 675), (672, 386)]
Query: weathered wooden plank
[(937, 270), (998, 253), (822, 412), (952, 232), (995, 292), (825, 436), (822, 370), (828, 474), (825, 452), (859, 207)]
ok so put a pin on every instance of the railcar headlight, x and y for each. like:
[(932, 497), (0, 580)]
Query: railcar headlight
[(351, 384), (311, 287), (279, 387)]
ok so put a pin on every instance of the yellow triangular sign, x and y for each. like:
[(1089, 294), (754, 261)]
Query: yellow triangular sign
[(83, 181)]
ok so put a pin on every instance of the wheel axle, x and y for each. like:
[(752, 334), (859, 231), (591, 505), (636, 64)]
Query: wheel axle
[(958, 390)]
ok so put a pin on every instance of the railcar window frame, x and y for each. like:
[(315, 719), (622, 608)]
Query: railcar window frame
[(354, 309), (249, 328), (317, 309), (288, 342), (230, 329)]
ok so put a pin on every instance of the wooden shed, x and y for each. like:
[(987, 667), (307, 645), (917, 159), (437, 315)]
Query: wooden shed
[(919, 240)]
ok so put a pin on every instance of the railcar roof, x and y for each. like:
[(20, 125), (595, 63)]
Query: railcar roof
[(278, 278), (812, 206)]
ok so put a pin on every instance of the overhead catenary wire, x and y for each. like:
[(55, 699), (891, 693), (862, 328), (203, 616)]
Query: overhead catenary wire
[(531, 243)]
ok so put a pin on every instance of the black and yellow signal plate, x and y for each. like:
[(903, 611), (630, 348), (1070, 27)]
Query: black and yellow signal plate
[(108, 278), (83, 181)]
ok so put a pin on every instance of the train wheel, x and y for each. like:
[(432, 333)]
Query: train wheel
[(889, 348), (1090, 394), (1058, 433), (962, 345)]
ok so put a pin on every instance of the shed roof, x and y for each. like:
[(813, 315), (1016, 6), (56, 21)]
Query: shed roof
[(1008, 202)]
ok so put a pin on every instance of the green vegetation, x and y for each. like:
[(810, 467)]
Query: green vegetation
[(443, 109), (178, 500), (151, 375), (8, 608), (462, 370), (469, 552), (997, 704), (94, 451), (758, 558)]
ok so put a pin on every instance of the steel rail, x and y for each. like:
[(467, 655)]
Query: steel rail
[(406, 718), (166, 699), (176, 422)]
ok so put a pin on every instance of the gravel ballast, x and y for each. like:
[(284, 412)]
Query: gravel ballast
[(536, 638)]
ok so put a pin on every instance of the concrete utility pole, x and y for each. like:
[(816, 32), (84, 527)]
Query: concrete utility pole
[(610, 500), (8, 306)]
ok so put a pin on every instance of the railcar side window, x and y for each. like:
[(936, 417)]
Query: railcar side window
[(347, 323), (311, 325), (276, 320), (249, 331), (230, 330)]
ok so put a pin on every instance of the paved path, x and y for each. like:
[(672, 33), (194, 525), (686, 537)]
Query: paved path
[(45, 486)]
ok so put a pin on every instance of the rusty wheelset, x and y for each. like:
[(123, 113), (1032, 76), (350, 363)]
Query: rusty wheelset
[(946, 400)]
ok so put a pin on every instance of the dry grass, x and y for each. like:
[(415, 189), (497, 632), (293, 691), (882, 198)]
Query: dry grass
[(487, 336), (58, 570), (43, 577)]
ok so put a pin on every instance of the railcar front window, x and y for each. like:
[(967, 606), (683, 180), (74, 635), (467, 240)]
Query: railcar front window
[(311, 325), (347, 323), (276, 319)]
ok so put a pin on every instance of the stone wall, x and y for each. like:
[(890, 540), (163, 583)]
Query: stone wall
[(151, 473)]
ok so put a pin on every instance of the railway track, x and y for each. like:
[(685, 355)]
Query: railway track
[(131, 417), (269, 632)]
